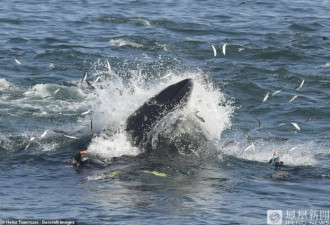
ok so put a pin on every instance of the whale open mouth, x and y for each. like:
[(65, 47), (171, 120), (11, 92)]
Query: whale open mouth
[(144, 119), (170, 122)]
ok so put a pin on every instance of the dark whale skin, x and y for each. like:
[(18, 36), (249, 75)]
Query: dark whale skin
[(141, 122)]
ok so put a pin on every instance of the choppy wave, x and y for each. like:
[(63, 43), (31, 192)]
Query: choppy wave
[(5, 85), (262, 150), (115, 97), (325, 65), (47, 114), (123, 20), (124, 42)]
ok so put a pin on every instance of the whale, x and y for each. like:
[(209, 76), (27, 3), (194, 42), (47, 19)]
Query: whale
[(142, 121)]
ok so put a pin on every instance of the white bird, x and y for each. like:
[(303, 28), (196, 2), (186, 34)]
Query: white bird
[(56, 91), (249, 147), (224, 49), (293, 98), (108, 66), (71, 137), (84, 113), (300, 85), (28, 145), (214, 51), (18, 62), (97, 79), (294, 148), (84, 77), (295, 125), (266, 97), (276, 92), (44, 134)]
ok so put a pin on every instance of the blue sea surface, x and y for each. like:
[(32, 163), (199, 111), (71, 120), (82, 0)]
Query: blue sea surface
[(262, 85)]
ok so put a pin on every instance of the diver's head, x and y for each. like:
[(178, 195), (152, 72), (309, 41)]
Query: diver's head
[(81, 158)]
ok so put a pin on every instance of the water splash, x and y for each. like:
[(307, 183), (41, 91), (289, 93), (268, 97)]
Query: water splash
[(262, 150), (118, 98), (5, 85)]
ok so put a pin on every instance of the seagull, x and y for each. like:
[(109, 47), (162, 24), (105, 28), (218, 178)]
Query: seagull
[(214, 51), (85, 113), (266, 97), (84, 77), (300, 85), (108, 66), (71, 137), (295, 125), (18, 62), (56, 91), (224, 49), (249, 147), (276, 92), (44, 134), (293, 98)]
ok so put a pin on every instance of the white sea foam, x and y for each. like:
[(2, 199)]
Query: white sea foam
[(325, 65), (41, 100), (124, 42), (165, 47), (53, 66), (5, 85), (39, 90), (142, 21), (290, 153)]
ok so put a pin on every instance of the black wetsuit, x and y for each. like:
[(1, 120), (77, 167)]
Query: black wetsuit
[(275, 161)]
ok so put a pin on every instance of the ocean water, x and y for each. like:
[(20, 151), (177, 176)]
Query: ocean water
[(244, 107)]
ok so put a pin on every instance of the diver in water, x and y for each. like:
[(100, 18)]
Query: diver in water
[(275, 161), (80, 158)]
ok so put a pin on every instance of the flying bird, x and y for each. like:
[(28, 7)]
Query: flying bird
[(295, 125), (266, 97), (214, 51), (18, 62), (224, 49), (300, 85), (293, 98)]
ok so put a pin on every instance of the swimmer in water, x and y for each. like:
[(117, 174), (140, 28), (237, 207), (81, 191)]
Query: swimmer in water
[(275, 161), (80, 158)]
